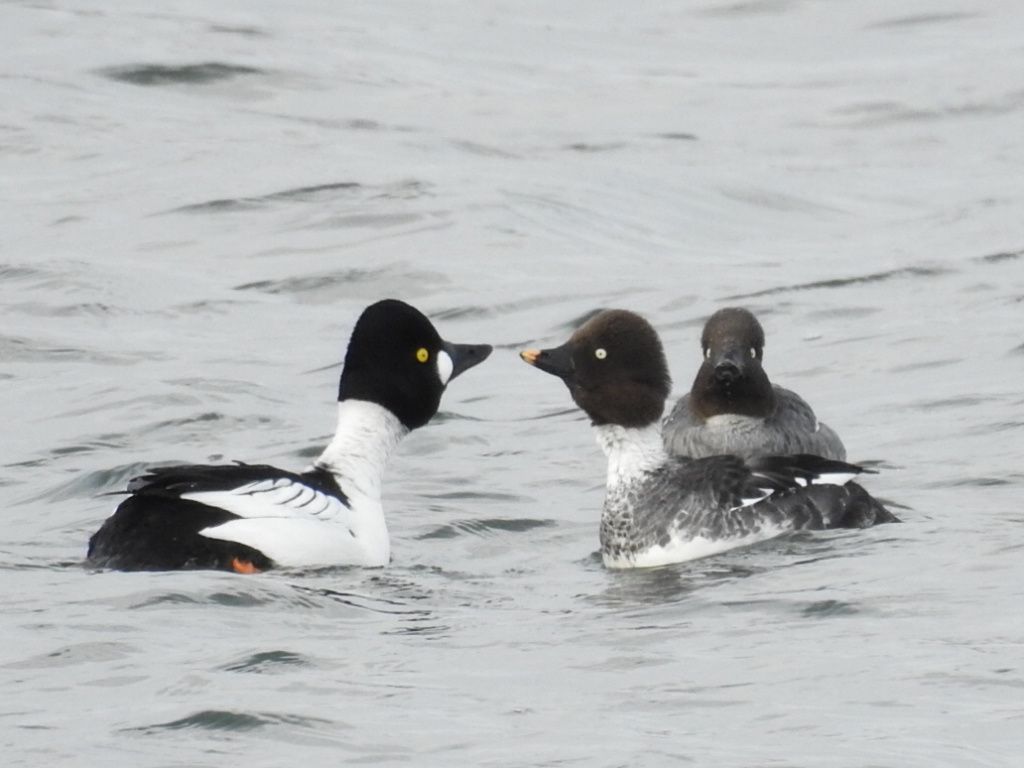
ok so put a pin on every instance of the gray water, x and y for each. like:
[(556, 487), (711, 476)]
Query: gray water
[(197, 201)]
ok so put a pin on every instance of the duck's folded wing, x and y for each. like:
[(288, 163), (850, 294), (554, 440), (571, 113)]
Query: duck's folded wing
[(681, 431), (279, 513), (680, 417), (726, 497), (202, 516), (247, 490), (800, 429), (809, 492)]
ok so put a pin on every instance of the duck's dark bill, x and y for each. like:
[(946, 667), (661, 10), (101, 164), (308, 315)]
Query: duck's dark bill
[(556, 361), (465, 356), (729, 364)]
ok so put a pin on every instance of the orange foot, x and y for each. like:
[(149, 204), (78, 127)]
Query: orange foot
[(243, 566)]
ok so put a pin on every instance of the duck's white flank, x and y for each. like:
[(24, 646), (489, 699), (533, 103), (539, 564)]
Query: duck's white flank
[(296, 525), (680, 550)]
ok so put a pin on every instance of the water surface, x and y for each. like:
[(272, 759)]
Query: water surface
[(197, 203)]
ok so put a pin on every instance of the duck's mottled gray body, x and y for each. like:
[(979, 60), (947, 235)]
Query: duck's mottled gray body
[(669, 509)]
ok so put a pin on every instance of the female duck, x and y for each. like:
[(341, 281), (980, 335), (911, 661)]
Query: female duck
[(732, 407), (660, 509)]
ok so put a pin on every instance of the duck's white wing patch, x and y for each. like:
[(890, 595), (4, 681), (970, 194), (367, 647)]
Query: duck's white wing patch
[(749, 501), (773, 483), (834, 478), (277, 497), (770, 487), (823, 478)]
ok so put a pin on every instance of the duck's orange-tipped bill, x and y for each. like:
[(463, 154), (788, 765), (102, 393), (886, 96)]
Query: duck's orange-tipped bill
[(530, 356)]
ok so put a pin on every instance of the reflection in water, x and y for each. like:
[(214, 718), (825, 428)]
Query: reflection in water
[(668, 584)]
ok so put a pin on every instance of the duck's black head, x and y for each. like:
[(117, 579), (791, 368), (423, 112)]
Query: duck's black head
[(614, 367), (731, 379), (397, 359)]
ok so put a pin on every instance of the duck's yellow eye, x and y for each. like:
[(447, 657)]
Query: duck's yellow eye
[(600, 353), (422, 354)]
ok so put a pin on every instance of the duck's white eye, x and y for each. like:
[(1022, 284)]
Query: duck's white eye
[(600, 353), (753, 352), (707, 352)]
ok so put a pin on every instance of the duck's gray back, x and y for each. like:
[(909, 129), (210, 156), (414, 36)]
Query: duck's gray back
[(792, 428)]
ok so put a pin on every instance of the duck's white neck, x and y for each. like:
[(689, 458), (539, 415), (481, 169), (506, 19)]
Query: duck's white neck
[(631, 451), (358, 453)]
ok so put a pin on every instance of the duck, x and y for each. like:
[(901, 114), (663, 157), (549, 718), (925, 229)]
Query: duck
[(661, 508), (248, 518), (734, 408)]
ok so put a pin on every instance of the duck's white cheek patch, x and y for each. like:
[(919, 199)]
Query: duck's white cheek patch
[(444, 366)]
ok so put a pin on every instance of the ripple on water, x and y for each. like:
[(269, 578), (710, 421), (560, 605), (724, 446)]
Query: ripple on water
[(18, 271), (312, 193), (110, 481), (409, 189), (527, 304), (960, 401), (1000, 256), (275, 589), (79, 309), (483, 150), (922, 19), (486, 526), (876, 114), (848, 312), (317, 597), (843, 282), (979, 481), (232, 29), (228, 720), (267, 662), (924, 364), (476, 496), (80, 653), (349, 283), (747, 8), (425, 627), (23, 350), (238, 598), (176, 74), (829, 608), (586, 147)]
